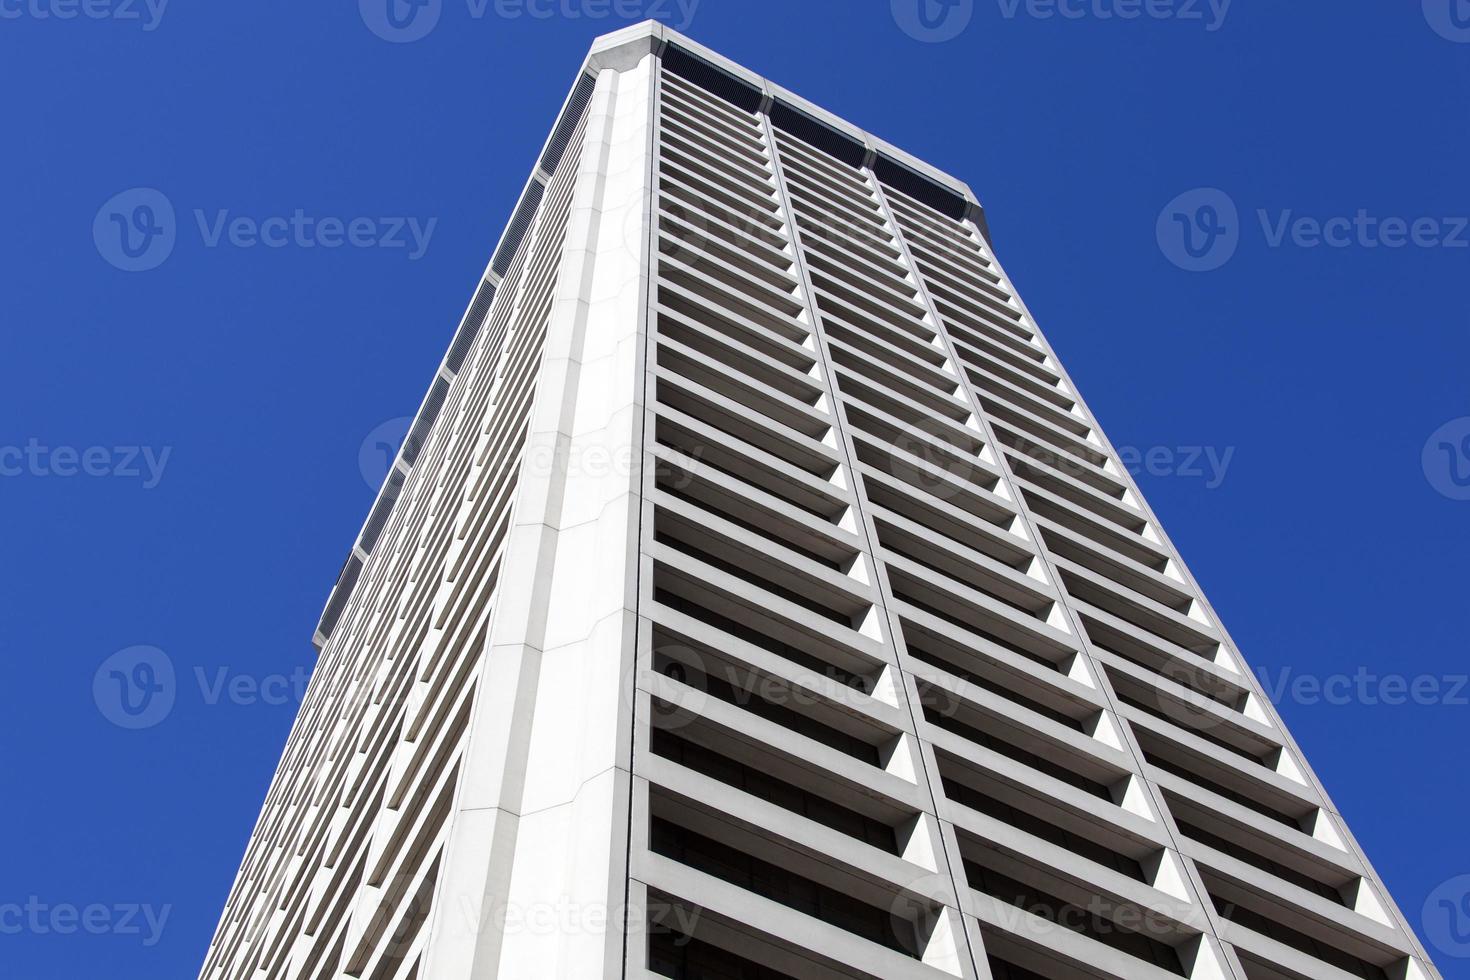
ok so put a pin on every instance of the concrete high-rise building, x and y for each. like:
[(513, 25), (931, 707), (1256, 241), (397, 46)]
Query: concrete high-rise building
[(755, 597)]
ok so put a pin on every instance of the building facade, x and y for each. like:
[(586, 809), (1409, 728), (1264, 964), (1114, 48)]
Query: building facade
[(755, 597)]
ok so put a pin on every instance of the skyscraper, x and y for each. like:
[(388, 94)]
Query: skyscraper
[(755, 597)]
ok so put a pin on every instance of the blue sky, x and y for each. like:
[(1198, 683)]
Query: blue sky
[(1243, 225)]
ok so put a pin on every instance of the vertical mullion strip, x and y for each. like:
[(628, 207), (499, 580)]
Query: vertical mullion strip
[(882, 590), (643, 422), (1099, 676)]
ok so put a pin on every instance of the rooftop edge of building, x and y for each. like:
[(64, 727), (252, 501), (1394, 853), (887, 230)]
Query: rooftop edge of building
[(624, 48)]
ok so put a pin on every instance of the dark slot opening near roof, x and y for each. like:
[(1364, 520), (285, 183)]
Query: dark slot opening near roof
[(920, 188), (818, 134), (473, 321), (695, 69), (570, 117), (335, 606), (520, 225)]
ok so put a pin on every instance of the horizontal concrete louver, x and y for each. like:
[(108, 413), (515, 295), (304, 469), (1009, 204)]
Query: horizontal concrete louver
[(761, 581), (842, 374)]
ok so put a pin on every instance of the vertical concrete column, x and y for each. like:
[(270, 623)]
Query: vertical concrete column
[(535, 871)]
